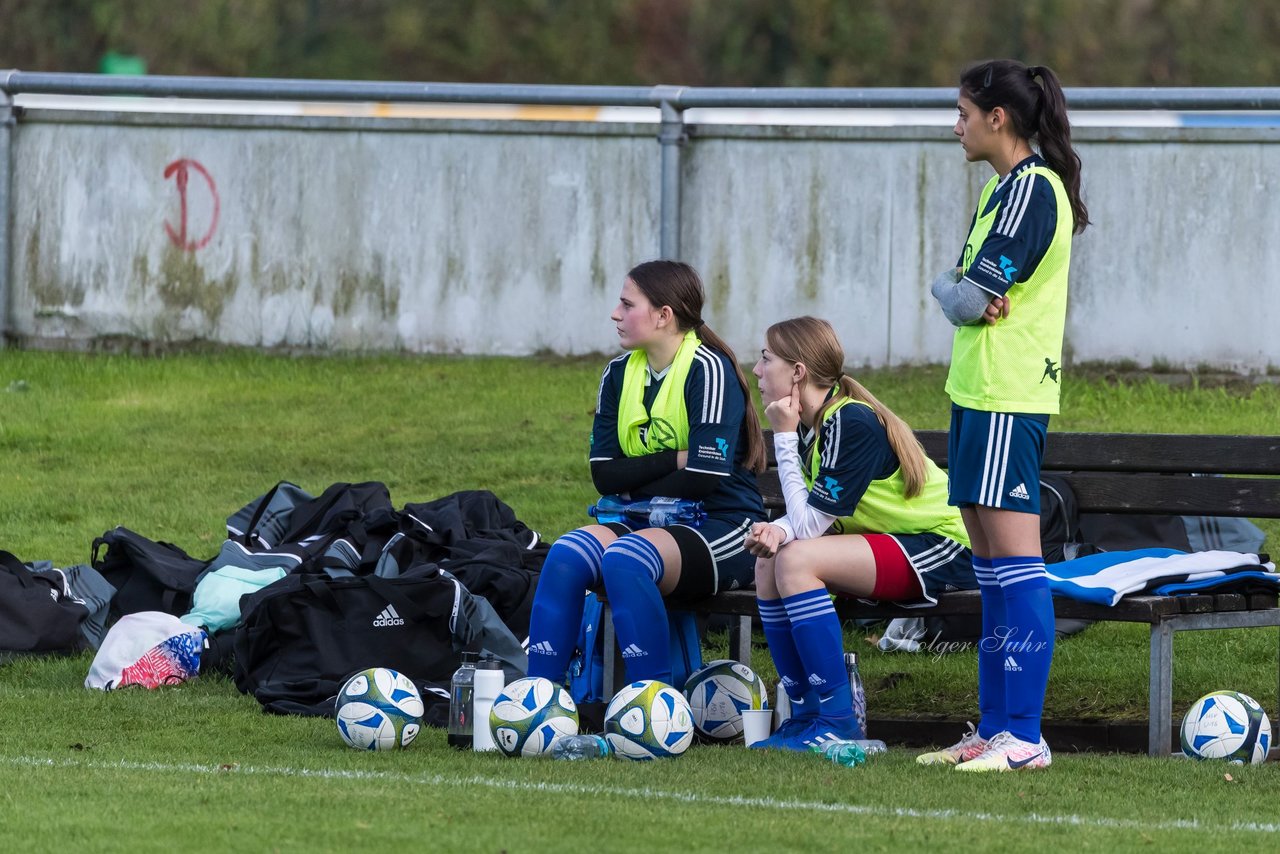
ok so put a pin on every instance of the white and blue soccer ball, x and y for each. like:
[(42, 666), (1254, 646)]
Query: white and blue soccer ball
[(378, 709), (719, 693), (1226, 725), (648, 720), (530, 715)]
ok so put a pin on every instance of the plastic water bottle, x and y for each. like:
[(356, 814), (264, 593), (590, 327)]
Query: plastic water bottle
[(461, 700), (849, 753), (859, 693), (657, 512), (575, 747), (490, 680)]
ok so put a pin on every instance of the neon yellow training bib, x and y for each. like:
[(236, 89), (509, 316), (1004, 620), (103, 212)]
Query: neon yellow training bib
[(665, 425), (885, 509), (1015, 364)]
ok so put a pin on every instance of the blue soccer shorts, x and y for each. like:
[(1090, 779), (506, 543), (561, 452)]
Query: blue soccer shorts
[(993, 459)]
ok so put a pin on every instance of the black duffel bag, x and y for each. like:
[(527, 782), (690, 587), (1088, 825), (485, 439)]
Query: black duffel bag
[(303, 636), (36, 615), (147, 575)]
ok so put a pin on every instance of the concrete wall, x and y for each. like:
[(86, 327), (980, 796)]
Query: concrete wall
[(513, 237)]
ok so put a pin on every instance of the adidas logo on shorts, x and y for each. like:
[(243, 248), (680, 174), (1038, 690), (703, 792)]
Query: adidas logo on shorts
[(1019, 491), (1011, 664), (633, 651), (388, 617), (816, 681), (542, 648)]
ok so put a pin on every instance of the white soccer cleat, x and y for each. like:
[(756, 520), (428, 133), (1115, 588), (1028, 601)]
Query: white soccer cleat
[(970, 746), (1006, 753)]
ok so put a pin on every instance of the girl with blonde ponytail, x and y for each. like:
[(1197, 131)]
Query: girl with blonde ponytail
[(852, 468)]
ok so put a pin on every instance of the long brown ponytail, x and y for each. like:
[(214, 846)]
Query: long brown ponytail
[(1039, 114), (813, 342), (678, 285)]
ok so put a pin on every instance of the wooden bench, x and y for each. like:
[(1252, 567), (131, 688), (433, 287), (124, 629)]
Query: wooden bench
[(1110, 473)]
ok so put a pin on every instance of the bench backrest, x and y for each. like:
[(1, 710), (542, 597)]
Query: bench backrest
[(1139, 473)]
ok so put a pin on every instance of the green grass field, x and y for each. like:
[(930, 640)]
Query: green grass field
[(171, 446)]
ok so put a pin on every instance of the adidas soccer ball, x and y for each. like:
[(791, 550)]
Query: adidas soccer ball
[(647, 720), (378, 709), (531, 715), (1226, 725), (718, 694)]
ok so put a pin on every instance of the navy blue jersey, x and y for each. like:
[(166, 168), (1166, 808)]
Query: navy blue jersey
[(855, 450), (1021, 234), (716, 407)]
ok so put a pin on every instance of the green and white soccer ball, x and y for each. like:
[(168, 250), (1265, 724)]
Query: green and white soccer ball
[(719, 693), (531, 715), (648, 720), (1226, 725), (378, 709)]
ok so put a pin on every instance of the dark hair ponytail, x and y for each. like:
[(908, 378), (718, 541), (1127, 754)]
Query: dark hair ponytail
[(676, 284), (1038, 112)]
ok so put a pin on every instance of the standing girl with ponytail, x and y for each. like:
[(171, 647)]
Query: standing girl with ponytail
[(1008, 300), (672, 419), (853, 470)]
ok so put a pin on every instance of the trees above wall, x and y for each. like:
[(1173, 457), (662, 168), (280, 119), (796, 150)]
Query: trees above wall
[(642, 42)]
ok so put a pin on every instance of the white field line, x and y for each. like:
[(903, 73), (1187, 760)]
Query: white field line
[(647, 793)]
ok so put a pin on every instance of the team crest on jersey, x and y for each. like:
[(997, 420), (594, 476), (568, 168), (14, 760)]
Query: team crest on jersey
[(660, 434)]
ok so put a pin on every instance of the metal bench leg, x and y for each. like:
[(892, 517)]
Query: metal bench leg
[(1160, 693), (740, 640), (609, 647)]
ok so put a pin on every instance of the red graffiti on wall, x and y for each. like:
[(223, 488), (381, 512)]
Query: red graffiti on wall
[(180, 171)]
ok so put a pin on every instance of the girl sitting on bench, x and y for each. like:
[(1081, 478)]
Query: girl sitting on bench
[(673, 418), (852, 470)]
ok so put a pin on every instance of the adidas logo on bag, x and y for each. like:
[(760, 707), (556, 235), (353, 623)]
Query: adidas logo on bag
[(633, 651), (1019, 491), (388, 617), (542, 648), (1011, 664)]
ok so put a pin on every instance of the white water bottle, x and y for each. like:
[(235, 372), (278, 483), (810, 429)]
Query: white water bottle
[(490, 680)]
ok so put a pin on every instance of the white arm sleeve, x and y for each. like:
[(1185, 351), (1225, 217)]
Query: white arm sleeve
[(802, 522)]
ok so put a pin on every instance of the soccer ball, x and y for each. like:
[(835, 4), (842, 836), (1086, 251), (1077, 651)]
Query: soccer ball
[(718, 693), (1226, 725), (531, 715), (647, 720), (378, 709)]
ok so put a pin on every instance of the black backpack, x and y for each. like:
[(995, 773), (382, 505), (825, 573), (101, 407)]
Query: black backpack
[(147, 576)]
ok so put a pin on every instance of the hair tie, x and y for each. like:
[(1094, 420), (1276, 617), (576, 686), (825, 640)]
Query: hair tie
[(1033, 71)]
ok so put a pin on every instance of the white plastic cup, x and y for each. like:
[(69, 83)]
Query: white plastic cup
[(781, 707), (489, 684), (756, 725)]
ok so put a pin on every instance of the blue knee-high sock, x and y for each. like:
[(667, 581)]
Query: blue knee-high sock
[(991, 702), (571, 566), (782, 646), (632, 568), (816, 630), (1028, 650)]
